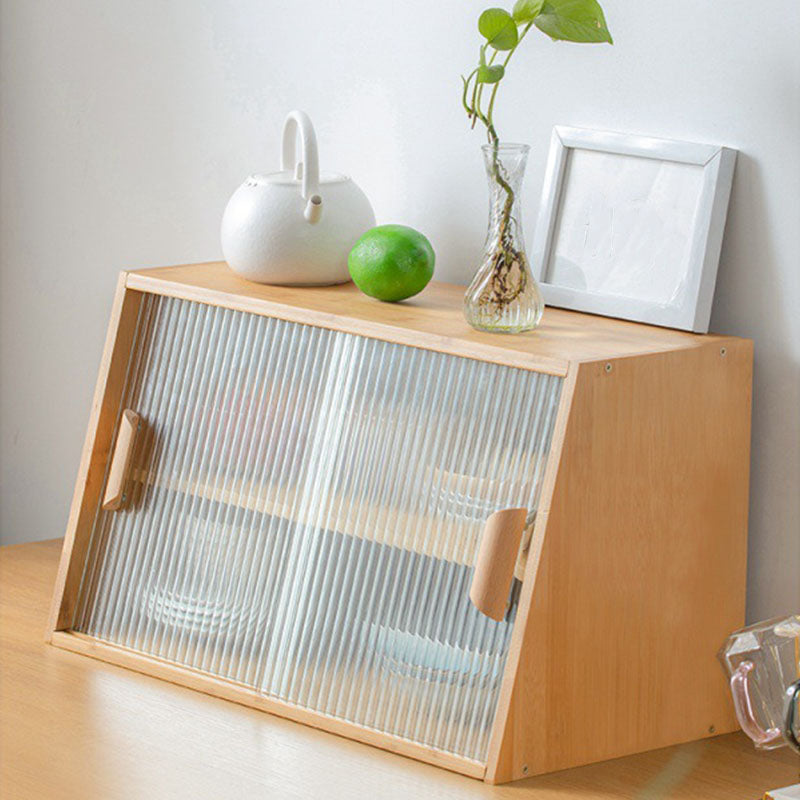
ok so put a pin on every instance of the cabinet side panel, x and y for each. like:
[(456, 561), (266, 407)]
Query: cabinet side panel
[(643, 565), (96, 449)]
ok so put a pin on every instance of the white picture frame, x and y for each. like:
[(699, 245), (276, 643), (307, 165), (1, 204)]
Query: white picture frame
[(631, 226)]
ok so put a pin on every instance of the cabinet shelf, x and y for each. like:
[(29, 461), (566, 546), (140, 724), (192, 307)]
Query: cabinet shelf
[(455, 539)]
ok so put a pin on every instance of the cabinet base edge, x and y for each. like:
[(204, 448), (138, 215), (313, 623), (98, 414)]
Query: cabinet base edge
[(228, 690)]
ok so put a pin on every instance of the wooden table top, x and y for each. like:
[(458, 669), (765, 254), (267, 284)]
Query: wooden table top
[(72, 727)]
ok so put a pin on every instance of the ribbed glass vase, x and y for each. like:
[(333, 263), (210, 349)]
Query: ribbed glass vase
[(503, 296)]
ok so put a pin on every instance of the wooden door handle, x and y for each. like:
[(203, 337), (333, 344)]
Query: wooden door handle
[(497, 557), (114, 497)]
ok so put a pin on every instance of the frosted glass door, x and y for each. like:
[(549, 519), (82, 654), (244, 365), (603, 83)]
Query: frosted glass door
[(304, 513)]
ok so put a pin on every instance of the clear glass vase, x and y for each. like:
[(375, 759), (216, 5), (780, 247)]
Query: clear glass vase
[(503, 296)]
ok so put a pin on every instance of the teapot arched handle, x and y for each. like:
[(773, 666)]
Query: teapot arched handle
[(308, 168)]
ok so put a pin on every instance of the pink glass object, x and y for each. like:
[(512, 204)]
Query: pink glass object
[(763, 666), (744, 709)]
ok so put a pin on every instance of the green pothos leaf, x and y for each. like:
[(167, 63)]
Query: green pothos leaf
[(526, 10), (490, 73), (498, 28), (573, 21)]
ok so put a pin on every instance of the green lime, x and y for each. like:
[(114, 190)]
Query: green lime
[(391, 262)]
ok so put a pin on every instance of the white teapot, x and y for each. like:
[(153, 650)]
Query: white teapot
[(296, 226)]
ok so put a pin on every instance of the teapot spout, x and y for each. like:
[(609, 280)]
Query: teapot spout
[(313, 210)]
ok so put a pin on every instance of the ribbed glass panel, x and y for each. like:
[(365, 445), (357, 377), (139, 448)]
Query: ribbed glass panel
[(305, 510)]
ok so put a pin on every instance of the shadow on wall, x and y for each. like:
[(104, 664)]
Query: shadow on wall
[(749, 298)]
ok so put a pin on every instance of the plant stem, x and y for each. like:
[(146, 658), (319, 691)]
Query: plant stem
[(502, 290), (505, 64), (476, 113)]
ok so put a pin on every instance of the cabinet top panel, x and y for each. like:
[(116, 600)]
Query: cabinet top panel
[(432, 320)]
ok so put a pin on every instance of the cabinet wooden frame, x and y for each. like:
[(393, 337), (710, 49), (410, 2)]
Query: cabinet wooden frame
[(635, 571)]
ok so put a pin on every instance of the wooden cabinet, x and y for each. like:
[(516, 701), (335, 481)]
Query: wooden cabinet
[(503, 555)]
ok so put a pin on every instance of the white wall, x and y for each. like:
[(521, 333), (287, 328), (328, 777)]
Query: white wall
[(125, 126)]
